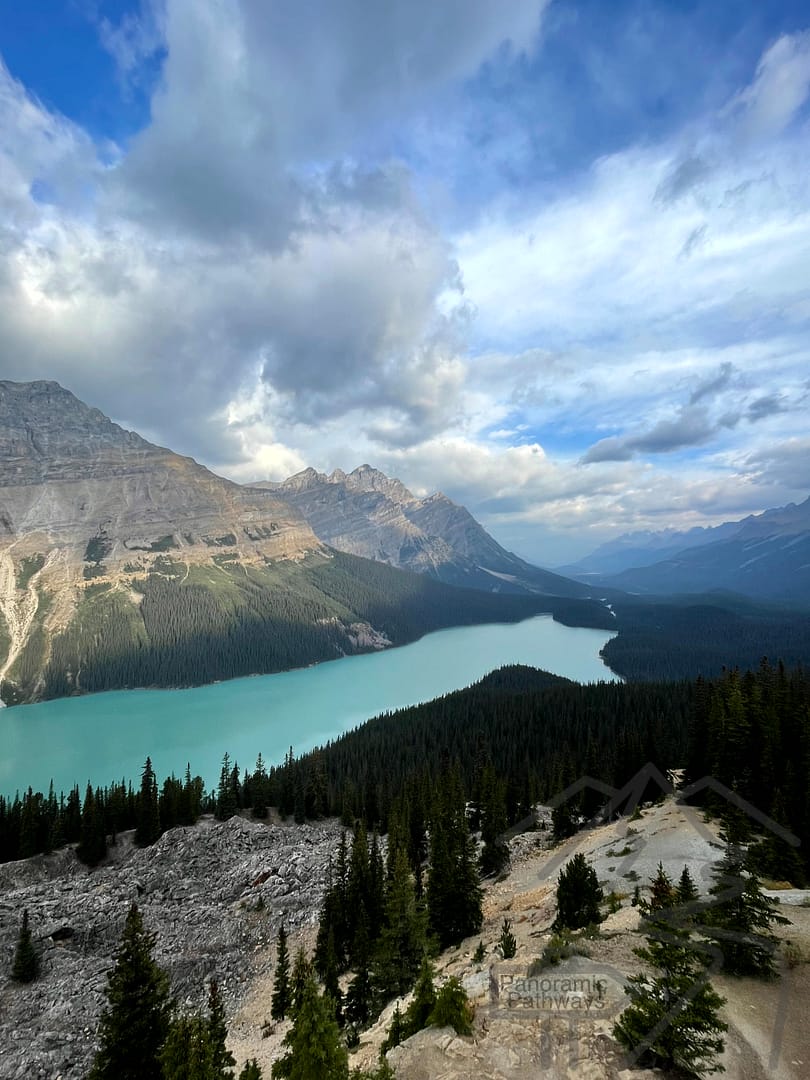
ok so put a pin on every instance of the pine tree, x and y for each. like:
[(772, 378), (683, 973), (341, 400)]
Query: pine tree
[(331, 982), (507, 941), (227, 804), (251, 1071), (423, 1001), (686, 890), (259, 789), (578, 895), (148, 828), (495, 853), (93, 843), (403, 938), (452, 1008), (280, 1002), (25, 967), (739, 919), (223, 1060), (301, 972), (315, 1049), (360, 993), (187, 1053), (396, 1032), (672, 1019), (136, 1020), (663, 893), (453, 891)]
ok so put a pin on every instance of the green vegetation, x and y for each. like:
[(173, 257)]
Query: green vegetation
[(98, 548), (29, 565), (672, 1020), (197, 624), (136, 1021), (560, 947), (681, 639), (28, 666), (507, 942), (578, 896), (25, 966), (142, 1033)]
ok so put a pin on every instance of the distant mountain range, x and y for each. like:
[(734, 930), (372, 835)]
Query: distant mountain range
[(125, 564), (765, 556), (369, 514)]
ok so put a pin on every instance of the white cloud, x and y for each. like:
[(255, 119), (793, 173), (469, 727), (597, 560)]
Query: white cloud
[(779, 90), (257, 280)]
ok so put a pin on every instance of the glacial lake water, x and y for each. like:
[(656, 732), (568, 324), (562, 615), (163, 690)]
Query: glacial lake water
[(103, 737)]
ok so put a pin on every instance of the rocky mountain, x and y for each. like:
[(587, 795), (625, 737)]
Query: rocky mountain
[(375, 516), (125, 564), (766, 556)]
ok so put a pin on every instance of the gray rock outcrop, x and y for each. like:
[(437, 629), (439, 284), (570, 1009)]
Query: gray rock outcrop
[(214, 895)]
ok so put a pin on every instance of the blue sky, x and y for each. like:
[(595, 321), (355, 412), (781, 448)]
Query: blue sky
[(550, 257)]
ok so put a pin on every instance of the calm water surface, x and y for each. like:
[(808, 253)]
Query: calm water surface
[(103, 737)]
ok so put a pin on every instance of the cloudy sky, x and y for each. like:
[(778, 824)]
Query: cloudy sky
[(551, 257)]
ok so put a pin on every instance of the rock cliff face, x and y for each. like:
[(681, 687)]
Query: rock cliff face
[(370, 514), (84, 502), (124, 564), (70, 476), (214, 895)]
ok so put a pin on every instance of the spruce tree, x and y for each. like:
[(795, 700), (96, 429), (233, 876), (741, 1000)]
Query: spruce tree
[(663, 893), (360, 993), (453, 891), (739, 918), (396, 1032), (187, 1053), (25, 967), (227, 804), (403, 938), (331, 983), (423, 1001), (495, 853), (148, 828), (93, 843), (315, 1049), (507, 941), (452, 1008), (686, 890), (578, 895), (223, 1060), (672, 1019), (259, 789), (135, 1022), (301, 972), (280, 1002)]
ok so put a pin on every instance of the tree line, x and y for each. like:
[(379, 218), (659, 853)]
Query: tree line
[(229, 620)]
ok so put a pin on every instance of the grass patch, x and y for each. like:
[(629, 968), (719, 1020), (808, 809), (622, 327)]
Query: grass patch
[(29, 566), (560, 947)]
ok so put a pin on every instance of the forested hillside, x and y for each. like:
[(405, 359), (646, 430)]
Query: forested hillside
[(683, 637), (185, 625), (517, 737)]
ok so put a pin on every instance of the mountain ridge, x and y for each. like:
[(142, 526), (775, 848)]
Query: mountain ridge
[(125, 564), (367, 513), (764, 556)]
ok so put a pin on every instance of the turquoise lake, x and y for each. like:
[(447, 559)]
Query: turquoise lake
[(102, 737)]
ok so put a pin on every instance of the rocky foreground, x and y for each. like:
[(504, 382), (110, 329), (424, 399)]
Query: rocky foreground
[(215, 896)]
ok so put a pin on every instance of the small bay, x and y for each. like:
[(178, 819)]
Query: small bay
[(104, 737)]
